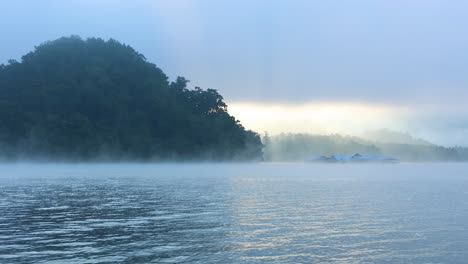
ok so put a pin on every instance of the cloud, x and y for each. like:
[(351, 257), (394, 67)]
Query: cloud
[(315, 117), (446, 126)]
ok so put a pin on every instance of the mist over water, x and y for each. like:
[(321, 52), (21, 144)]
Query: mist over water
[(116, 118), (233, 213)]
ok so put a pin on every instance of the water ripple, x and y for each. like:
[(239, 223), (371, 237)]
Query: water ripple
[(233, 214)]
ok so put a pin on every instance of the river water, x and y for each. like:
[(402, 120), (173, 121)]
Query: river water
[(233, 213)]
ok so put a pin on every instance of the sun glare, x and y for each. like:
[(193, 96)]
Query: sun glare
[(322, 117)]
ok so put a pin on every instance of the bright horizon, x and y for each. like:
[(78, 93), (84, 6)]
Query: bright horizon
[(349, 118)]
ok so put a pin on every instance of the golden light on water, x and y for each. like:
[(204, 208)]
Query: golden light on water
[(320, 117)]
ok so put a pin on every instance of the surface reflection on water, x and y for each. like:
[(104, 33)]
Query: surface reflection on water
[(234, 213)]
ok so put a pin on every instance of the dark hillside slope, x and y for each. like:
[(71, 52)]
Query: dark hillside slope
[(75, 99)]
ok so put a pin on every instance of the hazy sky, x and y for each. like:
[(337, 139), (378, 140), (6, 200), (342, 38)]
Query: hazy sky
[(398, 64)]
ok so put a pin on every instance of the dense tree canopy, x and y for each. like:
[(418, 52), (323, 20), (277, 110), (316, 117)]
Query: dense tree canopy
[(90, 99)]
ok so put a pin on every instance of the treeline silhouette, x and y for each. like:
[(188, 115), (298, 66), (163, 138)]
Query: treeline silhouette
[(300, 147), (75, 99)]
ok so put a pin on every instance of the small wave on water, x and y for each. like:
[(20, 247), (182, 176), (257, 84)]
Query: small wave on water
[(255, 213)]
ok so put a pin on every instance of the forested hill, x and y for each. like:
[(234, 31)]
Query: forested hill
[(75, 99), (300, 147)]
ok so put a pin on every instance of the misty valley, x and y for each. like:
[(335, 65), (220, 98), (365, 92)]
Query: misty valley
[(94, 100)]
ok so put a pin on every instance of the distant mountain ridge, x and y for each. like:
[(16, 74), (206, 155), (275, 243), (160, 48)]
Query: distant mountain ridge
[(300, 147), (393, 137)]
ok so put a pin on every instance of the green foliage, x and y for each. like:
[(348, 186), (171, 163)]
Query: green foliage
[(299, 147), (90, 99)]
